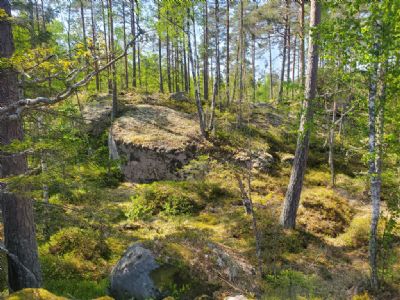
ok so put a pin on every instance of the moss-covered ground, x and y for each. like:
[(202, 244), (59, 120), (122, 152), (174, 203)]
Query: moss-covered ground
[(185, 223)]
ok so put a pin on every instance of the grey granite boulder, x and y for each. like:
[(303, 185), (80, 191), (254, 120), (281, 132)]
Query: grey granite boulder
[(130, 278)]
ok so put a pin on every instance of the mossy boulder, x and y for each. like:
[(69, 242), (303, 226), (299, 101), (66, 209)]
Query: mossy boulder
[(154, 142), (34, 294)]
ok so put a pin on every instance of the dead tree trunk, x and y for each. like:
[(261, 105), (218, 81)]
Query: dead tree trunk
[(292, 198), (19, 226)]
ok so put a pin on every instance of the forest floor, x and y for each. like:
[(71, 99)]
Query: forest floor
[(211, 244)]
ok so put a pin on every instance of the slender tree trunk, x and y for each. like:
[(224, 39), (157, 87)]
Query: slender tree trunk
[(302, 47), (332, 143), (125, 43), (292, 198), (242, 51), (271, 83), (205, 59), (195, 81), (160, 74), (169, 64), (19, 226), (133, 31), (113, 70), (227, 66), (185, 69), (83, 23), (288, 39), (105, 32), (138, 46), (94, 50), (376, 108), (253, 64), (69, 30), (217, 69), (43, 17), (282, 79)]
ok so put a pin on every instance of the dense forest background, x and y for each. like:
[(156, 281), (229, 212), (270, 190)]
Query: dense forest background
[(252, 147)]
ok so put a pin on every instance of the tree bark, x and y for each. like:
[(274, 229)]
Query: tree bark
[(94, 50), (113, 70), (271, 84), (19, 226), (160, 74), (227, 67), (205, 58), (139, 75), (241, 67), (282, 79), (105, 32), (126, 57), (194, 75), (302, 47), (292, 198), (133, 31), (217, 69)]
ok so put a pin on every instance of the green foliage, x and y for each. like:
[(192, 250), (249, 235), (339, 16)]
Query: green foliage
[(156, 198), (75, 253), (173, 198), (289, 284)]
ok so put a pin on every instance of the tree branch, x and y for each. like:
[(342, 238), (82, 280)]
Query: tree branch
[(14, 110)]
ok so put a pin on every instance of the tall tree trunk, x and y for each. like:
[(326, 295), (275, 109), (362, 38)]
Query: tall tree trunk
[(271, 83), (217, 69), (253, 64), (302, 47), (376, 106), (185, 69), (83, 23), (105, 33), (205, 58), (332, 142), (113, 70), (69, 30), (242, 51), (192, 58), (292, 198), (282, 79), (19, 226), (169, 64), (133, 32), (160, 74), (138, 46), (125, 43), (227, 66), (288, 39), (94, 50)]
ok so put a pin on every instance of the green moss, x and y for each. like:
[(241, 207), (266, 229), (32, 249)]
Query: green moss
[(324, 212), (34, 294), (173, 198), (357, 234), (77, 288)]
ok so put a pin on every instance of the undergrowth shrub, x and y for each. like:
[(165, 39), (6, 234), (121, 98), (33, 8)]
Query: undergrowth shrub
[(75, 253), (173, 198), (324, 212)]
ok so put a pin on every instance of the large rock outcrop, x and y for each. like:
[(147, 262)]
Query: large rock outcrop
[(153, 142)]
